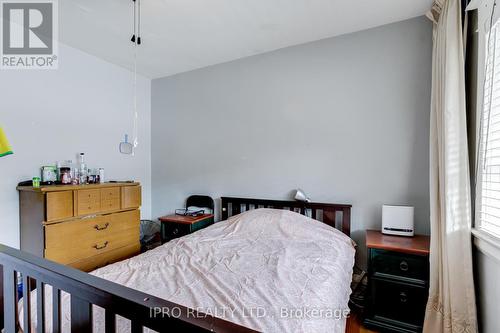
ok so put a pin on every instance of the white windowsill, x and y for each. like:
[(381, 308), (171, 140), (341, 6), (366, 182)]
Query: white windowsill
[(487, 243)]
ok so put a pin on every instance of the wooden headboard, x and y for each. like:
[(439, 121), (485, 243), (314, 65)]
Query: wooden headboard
[(335, 215)]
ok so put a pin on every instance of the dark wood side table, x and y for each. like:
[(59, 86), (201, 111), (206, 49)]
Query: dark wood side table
[(398, 282), (175, 226)]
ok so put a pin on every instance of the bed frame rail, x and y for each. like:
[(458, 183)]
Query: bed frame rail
[(85, 290), (335, 215)]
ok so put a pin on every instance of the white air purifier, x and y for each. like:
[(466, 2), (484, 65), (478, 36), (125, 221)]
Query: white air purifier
[(397, 220)]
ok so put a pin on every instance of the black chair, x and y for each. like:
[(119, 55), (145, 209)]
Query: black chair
[(201, 201)]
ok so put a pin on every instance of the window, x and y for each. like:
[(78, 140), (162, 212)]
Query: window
[(488, 190)]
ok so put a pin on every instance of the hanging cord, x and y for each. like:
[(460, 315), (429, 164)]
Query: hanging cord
[(491, 92), (134, 24), (136, 115), (136, 39), (138, 22), (478, 152)]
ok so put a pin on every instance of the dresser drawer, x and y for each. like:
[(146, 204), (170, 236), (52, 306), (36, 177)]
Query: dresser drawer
[(130, 197), (110, 198), (66, 235), (59, 205), (397, 264), (399, 302), (88, 202), (106, 258), (91, 247)]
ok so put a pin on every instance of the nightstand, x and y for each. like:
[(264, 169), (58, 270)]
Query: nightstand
[(398, 282), (175, 226)]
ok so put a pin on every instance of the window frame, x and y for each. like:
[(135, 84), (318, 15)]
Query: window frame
[(487, 242)]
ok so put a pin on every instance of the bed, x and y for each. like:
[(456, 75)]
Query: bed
[(264, 269)]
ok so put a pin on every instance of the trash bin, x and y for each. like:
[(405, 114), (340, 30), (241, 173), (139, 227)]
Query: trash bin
[(150, 235)]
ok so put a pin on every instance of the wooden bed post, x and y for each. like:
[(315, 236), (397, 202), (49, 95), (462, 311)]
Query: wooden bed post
[(224, 209), (330, 217), (9, 291), (81, 318), (346, 220)]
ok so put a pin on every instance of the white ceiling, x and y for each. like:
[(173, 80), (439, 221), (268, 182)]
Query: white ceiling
[(182, 35)]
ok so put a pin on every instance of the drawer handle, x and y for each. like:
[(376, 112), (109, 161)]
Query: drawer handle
[(404, 266), (97, 227), (403, 298), (97, 247)]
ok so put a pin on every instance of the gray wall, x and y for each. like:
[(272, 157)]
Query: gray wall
[(487, 291), (345, 118), (51, 115)]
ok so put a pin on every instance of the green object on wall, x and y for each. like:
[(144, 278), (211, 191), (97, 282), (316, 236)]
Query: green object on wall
[(4, 145)]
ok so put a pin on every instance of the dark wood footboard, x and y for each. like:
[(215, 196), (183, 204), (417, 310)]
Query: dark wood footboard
[(86, 290)]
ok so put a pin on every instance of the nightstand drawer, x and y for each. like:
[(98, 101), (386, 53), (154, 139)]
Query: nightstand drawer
[(202, 224), (398, 264), (399, 302), (176, 230), (175, 226)]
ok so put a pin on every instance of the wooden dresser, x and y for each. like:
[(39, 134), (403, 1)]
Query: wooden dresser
[(398, 285), (86, 226)]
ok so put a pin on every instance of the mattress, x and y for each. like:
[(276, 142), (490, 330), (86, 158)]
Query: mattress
[(269, 270)]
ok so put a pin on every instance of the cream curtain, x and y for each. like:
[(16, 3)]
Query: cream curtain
[(451, 305)]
